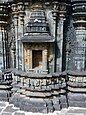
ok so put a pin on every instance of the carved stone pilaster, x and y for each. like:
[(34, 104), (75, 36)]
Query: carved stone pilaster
[(55, 13), (29, 61), (45, 54), (59, 16), (62, 12), (2, 48), (21, 13), (15, 21)]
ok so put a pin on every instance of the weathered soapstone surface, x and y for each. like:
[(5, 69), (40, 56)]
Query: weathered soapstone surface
[(9, 109)]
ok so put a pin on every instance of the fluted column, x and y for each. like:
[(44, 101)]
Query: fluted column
[(3, 35), (4, 47)]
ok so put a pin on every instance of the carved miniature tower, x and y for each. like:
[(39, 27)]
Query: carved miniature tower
[(37, 42)]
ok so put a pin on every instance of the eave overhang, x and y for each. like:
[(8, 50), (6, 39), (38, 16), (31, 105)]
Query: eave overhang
[(37, 39)]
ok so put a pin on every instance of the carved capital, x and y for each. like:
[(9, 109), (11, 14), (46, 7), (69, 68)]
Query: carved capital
[(26, 5), (62, 16), (21, 9), (62, 10), (14, 7), (62, 6), (20, 6), (22, 14)]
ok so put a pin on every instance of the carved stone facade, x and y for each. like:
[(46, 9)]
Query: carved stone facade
[(54, 31), (29, 50), (41, 39)]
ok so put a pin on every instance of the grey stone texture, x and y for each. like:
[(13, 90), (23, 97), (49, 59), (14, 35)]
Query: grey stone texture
[(9, 109)]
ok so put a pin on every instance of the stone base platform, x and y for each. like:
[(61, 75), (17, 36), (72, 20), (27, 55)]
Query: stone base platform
[(77, 100), (35, 104), (9, 109)]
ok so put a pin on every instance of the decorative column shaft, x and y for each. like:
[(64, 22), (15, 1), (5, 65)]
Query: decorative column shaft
[(59, 14), (29, 58), (45, 59), (60, 41), (3, 56), (15, 20), (62, 8), (79, 15), (4, 47), (55, 18), (4, 14), (20, 34)]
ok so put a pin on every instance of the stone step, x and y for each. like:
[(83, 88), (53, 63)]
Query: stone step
[(77, 104), (9, 109), (19, 113), (76, 97)]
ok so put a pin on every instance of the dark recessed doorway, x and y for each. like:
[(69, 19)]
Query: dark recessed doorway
[(36, 58)]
